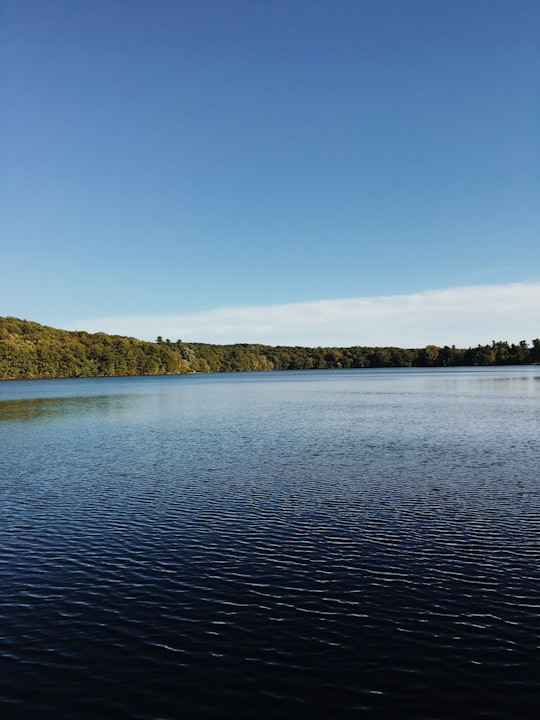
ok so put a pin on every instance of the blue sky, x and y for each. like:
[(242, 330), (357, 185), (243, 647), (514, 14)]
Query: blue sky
[(216, 169)]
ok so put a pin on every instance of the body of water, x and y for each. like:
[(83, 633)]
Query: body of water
[(330, 544)]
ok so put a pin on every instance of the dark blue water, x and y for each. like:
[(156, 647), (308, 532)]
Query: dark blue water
[(329, 544)]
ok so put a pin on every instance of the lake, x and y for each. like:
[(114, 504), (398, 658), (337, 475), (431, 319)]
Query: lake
[(307, 544)]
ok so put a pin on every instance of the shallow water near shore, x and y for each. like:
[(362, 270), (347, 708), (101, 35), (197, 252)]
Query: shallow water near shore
[(352, 543)]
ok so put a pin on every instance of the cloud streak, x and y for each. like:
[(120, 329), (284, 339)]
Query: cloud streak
[(462, 316)]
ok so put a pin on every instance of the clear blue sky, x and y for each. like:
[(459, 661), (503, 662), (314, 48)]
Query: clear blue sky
[(172, 157)]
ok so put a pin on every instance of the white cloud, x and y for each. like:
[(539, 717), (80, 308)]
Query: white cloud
[(463, 316)]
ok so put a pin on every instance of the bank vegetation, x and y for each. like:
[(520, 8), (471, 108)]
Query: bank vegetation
[(31, 350)]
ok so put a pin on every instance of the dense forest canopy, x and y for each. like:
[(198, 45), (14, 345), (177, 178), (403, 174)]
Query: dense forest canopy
[(30, 350)]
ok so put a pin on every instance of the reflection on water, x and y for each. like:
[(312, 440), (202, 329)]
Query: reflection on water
[(36, 408)]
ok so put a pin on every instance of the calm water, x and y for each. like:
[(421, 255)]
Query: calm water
[(327, 544)]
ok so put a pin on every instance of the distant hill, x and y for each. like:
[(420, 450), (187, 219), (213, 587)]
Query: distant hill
[(31, 350)]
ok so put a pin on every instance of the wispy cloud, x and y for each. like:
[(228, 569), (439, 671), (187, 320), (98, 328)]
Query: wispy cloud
[(461, 316)]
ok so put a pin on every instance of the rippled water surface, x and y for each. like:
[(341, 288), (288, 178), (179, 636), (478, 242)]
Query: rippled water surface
[(271, 545)]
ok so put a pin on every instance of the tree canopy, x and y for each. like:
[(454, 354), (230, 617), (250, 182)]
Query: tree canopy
[(31, 350)]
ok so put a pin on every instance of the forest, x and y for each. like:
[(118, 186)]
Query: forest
[(31, 350)]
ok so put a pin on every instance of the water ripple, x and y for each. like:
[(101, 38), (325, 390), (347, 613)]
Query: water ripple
[(271, 558)]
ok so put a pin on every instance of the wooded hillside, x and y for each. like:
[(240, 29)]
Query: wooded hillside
[(30, 350)]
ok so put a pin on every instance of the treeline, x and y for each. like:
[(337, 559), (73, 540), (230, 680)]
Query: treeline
[(30, 350)]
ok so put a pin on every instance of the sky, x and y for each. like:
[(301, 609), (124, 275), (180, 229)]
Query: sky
[(305, 172)]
